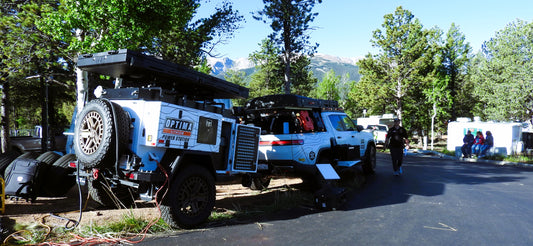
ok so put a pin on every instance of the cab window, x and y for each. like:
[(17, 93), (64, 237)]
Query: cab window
[(342, 123)]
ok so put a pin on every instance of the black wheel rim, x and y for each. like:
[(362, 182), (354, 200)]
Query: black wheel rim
[(193, 196)]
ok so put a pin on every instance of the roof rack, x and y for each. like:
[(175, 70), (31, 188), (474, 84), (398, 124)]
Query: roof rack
[(290, 101), (146, 69)]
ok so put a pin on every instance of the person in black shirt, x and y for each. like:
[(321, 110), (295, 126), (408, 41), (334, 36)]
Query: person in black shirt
[(396, 141)]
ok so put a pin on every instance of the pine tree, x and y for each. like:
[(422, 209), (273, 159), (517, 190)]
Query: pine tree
[(289, 20)]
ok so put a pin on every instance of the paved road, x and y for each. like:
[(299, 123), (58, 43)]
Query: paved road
[(435, 202)]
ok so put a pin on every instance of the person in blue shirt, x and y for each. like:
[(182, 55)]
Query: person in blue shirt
[(489, 142), (468, 141)]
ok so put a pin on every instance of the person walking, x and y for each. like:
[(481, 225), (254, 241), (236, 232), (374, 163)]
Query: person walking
[(396, 141), (468, 141)]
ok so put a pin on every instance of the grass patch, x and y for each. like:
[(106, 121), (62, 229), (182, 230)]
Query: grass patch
[(28, 234), (129, 226), (520, 158), (446, 152)]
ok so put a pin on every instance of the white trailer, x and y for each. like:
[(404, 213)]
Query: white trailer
[(507, 135), (386, 119)]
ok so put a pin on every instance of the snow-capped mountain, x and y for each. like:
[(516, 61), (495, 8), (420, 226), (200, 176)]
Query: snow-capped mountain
[(320, 64), (221, 65), (347, 60)]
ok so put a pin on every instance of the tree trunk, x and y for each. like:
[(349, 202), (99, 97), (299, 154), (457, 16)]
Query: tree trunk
[(453, 92), (44, 114), (287, 74), (288, 51), (399, 99), (433, 123), (82, 87), (4, 114)]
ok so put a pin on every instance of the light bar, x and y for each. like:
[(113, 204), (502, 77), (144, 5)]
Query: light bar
[(282, 142)]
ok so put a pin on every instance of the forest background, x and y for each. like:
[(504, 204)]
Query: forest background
[(427, 77)]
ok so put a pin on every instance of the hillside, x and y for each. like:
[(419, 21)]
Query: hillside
[(320, 65)]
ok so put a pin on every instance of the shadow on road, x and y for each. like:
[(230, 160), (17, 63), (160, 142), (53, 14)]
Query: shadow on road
[(426, 177), (422, 177)]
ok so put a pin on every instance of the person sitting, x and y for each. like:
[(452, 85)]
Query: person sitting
[(468, 141), (489, 142), (478, 143)]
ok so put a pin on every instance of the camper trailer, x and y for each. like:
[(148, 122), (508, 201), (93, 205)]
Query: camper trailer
[(386, 119)]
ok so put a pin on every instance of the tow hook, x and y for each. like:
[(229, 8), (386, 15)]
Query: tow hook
[(96, 172)]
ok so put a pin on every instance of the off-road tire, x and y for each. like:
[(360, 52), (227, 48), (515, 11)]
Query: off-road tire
[(95, 140), (255, 181), (29, 155), (190, 198), (369, 164), (59, 177), (111, 197), (48, 157), (260, 183)]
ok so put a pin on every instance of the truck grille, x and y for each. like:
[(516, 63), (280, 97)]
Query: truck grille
[(246, 148)]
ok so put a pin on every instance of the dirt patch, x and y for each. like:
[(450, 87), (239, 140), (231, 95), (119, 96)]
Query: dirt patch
[(45, 209)]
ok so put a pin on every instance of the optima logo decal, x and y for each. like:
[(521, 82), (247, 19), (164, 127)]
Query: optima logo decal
[(178, 127)]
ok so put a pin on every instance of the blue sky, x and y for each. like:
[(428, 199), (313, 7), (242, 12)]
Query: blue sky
[(344, 27)]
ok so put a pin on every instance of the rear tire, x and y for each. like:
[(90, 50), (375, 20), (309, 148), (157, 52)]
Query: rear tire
[(260, 183), (190, 199)]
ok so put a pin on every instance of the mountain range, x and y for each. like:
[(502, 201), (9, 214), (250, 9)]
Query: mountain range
[(320, 65)]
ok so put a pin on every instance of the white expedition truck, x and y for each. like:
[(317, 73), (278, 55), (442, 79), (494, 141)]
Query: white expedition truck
[(158, 132), (299, 132)]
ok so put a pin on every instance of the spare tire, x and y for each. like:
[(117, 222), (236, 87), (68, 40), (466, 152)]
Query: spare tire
[(48, 157), (95, 139)]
